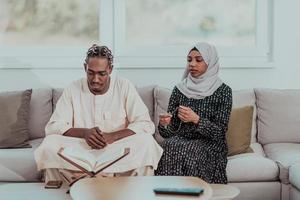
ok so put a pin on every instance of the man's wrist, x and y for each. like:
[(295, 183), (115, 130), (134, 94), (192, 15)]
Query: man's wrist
[(115, 136)]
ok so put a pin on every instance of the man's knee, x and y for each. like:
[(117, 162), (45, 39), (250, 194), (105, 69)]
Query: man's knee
[(145, 139), (51, 142), (52, 139)]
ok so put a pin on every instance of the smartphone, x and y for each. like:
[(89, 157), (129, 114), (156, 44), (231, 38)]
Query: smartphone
[(53, 184), (179, 191)]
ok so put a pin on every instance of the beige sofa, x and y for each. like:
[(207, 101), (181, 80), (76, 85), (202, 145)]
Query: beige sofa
[(271, 172)]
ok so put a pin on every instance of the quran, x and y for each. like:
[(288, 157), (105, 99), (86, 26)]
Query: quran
[(92, 161)]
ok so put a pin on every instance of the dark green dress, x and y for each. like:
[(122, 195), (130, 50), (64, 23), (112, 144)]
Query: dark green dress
[(197, 149)]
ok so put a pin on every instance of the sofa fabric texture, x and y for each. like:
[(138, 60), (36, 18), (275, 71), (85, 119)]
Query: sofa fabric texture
[(19, 164), (239, 130), (14, 115), (241, 98), (278, 115), (286, 155), (294, 175), (40, 112)]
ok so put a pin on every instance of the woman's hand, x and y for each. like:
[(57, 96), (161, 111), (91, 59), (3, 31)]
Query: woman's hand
[(165, 119), (186, 114)]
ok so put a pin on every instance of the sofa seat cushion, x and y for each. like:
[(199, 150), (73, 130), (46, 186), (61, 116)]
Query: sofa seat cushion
[(294, 175), (19, 164), (294, 194), (285, 154), (258, 167), (250, 167)]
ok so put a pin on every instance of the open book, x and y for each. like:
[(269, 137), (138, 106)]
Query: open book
[(92, 161)]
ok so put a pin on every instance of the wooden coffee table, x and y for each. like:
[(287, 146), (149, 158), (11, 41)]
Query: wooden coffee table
[(136, 188)]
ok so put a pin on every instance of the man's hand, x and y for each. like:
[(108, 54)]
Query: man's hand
[(109, 137), (94, 138), (186, 114)]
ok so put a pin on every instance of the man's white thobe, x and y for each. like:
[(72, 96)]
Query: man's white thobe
[(120, 107)]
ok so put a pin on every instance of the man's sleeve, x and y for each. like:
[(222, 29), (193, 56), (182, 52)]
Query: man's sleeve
[(62, 117), (137, 113)]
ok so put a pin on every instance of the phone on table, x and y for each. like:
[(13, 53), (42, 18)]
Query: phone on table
[(179, 191), (53, 184)]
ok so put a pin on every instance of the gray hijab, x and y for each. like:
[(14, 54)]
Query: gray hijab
[(206, 84)]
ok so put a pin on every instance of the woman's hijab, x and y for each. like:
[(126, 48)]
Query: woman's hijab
[(206, 84)]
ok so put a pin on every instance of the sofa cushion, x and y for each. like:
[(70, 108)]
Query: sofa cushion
[(257, 148), (258, 167), (278, 113), (40, 112), (161, 101), (146, 93), (19, 164), (57, 92), (239, 130), (14, 114), (294, 194), (294, 175), (285, 154), (242, 98)]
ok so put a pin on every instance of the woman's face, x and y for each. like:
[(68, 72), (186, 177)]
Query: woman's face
[(196, 64)]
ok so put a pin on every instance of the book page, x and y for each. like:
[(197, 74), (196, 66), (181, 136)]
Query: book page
[(82, 157), (107, 157)]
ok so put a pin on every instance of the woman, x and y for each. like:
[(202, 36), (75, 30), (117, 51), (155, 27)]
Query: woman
[(199, 110)]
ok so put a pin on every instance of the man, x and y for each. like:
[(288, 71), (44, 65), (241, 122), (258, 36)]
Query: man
[(96, 112)]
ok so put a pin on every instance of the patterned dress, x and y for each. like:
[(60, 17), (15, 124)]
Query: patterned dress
[(197, 149)]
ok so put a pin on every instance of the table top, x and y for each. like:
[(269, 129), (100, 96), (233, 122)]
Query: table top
[(222, 191), (136, 188)]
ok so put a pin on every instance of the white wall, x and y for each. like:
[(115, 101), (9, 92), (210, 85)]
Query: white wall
[(284, 74)]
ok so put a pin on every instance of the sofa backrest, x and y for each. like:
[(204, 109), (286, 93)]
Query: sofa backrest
[(161, 101), (278, 115), (57, 92), (40, 112), (146, 93), (240, 99)]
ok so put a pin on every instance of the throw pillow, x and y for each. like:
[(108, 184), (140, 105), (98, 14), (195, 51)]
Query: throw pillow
[(14, 117), (239, 130)]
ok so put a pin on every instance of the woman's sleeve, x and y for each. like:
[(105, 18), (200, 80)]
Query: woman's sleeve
[(216, 127), (173, 104)]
